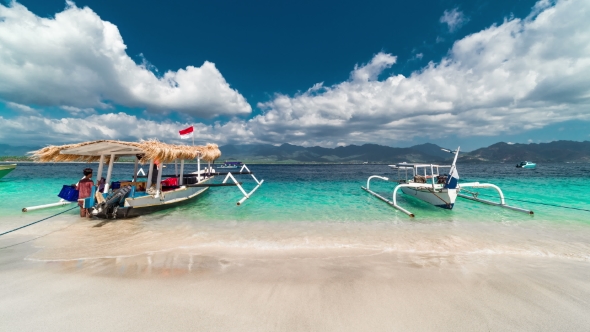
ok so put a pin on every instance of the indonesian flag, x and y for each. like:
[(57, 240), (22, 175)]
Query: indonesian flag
[(186, 133)]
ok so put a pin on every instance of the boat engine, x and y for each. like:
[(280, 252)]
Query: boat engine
[(112, 202)]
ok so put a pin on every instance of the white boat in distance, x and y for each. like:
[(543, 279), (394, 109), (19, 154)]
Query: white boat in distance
[(526, 164), (424, 182), (231, 164)]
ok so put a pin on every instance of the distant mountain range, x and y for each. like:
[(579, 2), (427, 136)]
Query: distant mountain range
[(373, 153), (558, 151)]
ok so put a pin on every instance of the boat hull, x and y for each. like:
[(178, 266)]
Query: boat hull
[(443, 198), (5, 169), (526, 164), (149, 204)]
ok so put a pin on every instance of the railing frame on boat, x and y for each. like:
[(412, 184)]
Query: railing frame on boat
[(393, 202), (246, 194), (488, 185)]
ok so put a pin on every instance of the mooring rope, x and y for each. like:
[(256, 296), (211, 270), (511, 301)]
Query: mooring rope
[(38, 221), (525, 201)]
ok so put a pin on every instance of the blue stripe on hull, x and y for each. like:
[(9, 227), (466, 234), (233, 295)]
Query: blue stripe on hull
[(445, 206)]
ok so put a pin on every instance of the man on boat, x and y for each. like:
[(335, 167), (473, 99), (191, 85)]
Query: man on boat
[(84, 188)]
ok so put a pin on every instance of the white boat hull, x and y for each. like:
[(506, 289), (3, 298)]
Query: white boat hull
[(443, 198), (165, 198), (140, 205)]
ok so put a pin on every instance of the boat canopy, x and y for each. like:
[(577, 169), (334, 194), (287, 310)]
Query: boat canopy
[(150, 149)]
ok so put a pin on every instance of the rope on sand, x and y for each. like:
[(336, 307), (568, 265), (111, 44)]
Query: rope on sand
[(521, 200), (38, 221)]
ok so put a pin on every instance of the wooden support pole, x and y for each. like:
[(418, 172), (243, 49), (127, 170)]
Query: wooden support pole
[(109, 173), (181, 172)]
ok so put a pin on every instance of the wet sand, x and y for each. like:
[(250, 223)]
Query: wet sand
[(123, 277)]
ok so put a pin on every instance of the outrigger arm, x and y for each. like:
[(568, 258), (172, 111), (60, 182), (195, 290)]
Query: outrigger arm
[(474, 197), (393, 202), (238, 184)]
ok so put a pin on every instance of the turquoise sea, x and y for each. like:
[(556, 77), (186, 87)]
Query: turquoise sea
[(332, 193), (323, 206)]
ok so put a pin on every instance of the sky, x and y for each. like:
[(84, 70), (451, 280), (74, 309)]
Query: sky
[(330, 73)]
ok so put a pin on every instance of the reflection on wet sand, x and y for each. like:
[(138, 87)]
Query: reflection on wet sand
[(341, 289)]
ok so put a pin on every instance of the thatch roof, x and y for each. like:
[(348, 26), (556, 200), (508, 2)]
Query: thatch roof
[(151, 149)]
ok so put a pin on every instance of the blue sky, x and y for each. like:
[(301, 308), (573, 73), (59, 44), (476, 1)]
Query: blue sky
[(467, 73)]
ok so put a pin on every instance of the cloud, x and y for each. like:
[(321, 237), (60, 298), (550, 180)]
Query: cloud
[(22, 108), (370, 71), (78, 111), (34, 129), (520, 75), (454, 19), (76, 59)]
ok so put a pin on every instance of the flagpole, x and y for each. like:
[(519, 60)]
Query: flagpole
[(193, 134)]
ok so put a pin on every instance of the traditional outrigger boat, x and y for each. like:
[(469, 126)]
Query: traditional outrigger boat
[(133, 197), (424, 181)]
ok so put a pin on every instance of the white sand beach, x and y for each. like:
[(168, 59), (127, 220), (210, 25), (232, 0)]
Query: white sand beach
[(119, 278)]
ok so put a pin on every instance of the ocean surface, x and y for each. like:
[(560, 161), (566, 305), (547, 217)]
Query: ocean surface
[(309, 251), (323, 206)]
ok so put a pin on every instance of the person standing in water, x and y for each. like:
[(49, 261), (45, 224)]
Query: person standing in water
[(84, 188)]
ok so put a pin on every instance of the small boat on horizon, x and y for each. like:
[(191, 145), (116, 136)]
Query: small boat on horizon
[(231, 164), (6, 168), (424, 182), (526, 164)]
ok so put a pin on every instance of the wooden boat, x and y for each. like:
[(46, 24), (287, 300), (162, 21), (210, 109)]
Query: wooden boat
[(134, 197), (6, 168), (424, 182)]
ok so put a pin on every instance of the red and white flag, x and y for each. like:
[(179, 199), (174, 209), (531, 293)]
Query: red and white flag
[(186, 133)]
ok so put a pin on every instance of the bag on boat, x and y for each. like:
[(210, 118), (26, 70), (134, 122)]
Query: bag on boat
[(170, 182), (68, 193)]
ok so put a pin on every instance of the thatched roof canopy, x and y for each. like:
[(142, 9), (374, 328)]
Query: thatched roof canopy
[(152, 149)]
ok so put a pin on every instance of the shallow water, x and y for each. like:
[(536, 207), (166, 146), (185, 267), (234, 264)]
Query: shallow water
[(322, 206)]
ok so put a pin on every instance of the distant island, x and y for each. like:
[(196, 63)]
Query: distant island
[(558, 151)]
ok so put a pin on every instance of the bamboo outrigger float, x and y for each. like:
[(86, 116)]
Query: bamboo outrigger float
[(441, 190), (137, 197)]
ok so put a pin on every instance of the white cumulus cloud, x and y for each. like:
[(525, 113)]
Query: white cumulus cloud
[(520, 75), (454, 19), (21, 108), (76, 59), (38, 130)]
